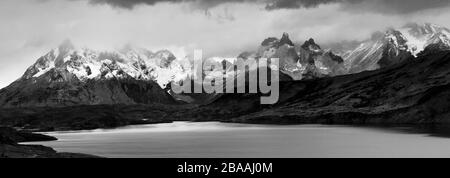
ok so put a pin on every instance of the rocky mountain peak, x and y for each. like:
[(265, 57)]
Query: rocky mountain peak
[(396, 39), (270, 41), (86, 64), (166, 58), (396, 45), (311, 45), (285, 40), (334, 57), (419, 36), (275, 42)]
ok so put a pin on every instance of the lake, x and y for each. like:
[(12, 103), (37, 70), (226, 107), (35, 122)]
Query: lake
[(228, 140)]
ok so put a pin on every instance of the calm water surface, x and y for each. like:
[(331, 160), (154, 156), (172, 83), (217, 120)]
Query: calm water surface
[(212, 139)]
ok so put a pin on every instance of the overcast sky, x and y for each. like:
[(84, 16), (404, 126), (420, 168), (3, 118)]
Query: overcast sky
[(30, 28)]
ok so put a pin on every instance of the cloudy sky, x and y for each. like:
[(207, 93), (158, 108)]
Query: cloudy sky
[(30, 28)]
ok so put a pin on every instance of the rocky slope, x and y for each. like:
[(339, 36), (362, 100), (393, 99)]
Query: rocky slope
[(411, 92)]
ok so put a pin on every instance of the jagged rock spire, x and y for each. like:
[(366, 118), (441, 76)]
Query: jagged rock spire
[(285, 40), (310, 44), (272, 41)]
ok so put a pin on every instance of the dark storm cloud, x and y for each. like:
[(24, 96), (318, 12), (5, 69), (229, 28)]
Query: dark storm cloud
[(380, 6), (295, 4), (128, 4), (270, 4), (393, 6)]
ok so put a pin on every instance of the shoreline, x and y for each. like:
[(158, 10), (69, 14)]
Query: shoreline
[(144, 135), (433, 129), (387, 125), (11, 147), (32, 149)]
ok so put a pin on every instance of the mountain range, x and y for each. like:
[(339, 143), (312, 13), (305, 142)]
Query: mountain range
[(390, 74)]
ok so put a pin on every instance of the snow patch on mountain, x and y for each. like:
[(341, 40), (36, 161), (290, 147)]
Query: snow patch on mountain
[(419, 36), (87, 64), (415, 44), (394, 46)]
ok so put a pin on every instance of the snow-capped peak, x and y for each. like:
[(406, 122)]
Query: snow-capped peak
[(86, 64), (419, 36), (286, 40), (396, 45)]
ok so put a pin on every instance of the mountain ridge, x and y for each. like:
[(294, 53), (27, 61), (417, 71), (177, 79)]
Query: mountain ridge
[(395, 45), (68, 76), (410, 92)]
